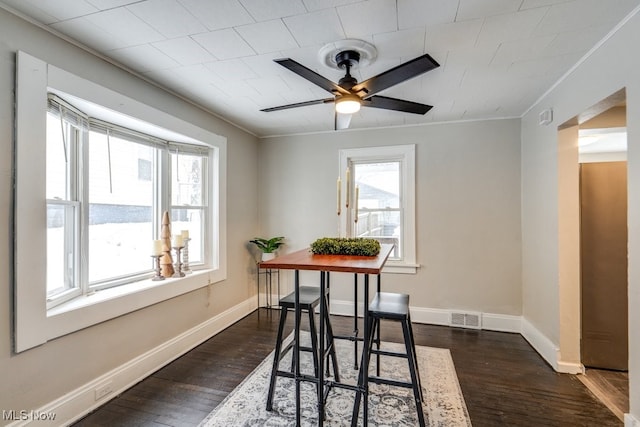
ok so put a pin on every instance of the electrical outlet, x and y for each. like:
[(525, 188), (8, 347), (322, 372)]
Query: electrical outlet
[(103, 390)]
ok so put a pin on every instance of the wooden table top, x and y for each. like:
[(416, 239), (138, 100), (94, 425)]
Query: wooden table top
[(305, 260)]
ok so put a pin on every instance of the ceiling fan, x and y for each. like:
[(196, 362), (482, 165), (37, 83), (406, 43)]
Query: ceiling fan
[(349, 95)]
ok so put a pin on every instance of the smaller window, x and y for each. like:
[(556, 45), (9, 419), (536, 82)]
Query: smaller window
[(384, 179), (379, 210)]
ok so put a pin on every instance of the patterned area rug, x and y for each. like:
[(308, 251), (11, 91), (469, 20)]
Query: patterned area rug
[(388, 406)]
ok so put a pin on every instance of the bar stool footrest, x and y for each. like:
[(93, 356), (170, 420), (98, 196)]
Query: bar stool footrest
[(389, 353), (387, 381), (348, 337), (289, 347)]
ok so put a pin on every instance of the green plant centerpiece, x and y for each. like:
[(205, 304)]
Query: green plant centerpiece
[(358, 246), (268, 246)]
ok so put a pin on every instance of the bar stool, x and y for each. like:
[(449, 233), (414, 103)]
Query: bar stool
[(309, 299), (391, 306)]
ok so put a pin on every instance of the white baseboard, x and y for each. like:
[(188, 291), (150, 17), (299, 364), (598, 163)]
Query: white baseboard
[(631, 421), (345, 308), (79, 402), (430, 316), (434, 316), (502, 323), (543, 345), (548, 350)]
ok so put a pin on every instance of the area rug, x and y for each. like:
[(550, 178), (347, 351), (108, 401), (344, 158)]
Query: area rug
[(388, 406)]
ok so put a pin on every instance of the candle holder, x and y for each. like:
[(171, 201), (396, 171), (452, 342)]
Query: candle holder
[(178, 265), (156, 263), (185, 257)]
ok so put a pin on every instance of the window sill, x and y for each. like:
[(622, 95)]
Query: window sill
[(85, 311), (400, 268)]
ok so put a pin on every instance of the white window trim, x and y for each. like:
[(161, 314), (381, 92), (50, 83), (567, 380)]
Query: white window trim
[(34, 325), (406, 155)]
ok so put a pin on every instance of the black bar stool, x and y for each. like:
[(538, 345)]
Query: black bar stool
[(309, 299), (391, 306)]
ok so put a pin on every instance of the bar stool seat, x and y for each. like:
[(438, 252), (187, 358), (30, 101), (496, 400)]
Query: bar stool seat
[(309, 299), (391, 306)]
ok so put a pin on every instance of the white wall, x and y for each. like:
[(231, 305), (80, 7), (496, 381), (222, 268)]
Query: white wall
[(39, 376), (606, 71), (468, 207)]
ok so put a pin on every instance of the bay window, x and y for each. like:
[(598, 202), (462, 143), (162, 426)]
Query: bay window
[(94, 172), (105, 194)]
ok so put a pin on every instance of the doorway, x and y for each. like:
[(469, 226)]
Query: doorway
[(608, 114), (603, 257)]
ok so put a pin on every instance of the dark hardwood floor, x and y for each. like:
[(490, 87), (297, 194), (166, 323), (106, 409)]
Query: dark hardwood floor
[(504, 381)]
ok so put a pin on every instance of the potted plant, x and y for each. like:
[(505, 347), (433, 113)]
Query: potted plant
[(268, 246)]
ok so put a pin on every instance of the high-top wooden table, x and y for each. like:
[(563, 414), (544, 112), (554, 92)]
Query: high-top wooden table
[(305, 260)]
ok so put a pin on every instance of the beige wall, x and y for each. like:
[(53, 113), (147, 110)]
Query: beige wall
[(40, 375), (609, 69), (468, 207)]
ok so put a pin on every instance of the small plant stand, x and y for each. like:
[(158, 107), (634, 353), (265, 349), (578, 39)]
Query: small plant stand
[(268, 274)]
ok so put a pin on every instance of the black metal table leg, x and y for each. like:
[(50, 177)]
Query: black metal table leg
[(378, 336), (296, 343), (321, 358), (326, 374), (355, 321), (365, 355)]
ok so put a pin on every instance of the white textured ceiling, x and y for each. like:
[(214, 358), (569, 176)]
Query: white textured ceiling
[(497, 57)]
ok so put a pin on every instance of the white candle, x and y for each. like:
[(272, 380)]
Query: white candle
[(356, 202), (156, 249), (348, 186), (339, 189), (177, 241), (185, 234)]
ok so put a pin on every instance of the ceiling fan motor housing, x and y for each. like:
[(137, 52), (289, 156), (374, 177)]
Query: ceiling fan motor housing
[(347, 58)]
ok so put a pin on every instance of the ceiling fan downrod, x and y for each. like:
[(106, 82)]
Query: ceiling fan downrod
[(347, 59)]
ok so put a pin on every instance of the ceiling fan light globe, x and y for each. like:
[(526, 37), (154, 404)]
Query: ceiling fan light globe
[(348, 104)]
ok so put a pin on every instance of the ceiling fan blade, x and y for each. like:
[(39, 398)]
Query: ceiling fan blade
[(341, 121), (396, 104), (312, 76), (393, 76), (299, 104)]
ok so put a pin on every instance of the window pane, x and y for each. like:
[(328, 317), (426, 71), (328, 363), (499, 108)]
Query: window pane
[(191, 220), (186, 179), (383, 226), (57, 154), (61, 240), (379, 214), (379, 184), (120, 208)]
